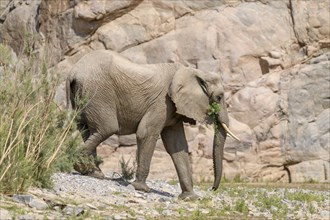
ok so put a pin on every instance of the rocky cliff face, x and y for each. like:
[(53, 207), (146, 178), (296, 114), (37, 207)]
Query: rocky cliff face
[(273, 56)]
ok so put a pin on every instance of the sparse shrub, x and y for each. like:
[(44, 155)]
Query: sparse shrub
[(35, 133), (224, 179), (127, 170), (311, 180), (238, 179), (241, 206), (304, 196), (173, 182)]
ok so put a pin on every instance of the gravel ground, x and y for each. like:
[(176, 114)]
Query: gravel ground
[(80, 197)]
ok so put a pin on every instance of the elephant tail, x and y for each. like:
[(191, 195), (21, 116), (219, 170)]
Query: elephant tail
[(70, 93)]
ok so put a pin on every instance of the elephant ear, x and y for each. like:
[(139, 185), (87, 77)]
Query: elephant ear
[(188, 91)]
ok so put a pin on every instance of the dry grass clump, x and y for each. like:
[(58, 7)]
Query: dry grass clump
[(35, 133)]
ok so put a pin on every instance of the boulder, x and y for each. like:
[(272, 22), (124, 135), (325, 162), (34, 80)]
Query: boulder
[(19, 26), (308, 105), (309, 171)]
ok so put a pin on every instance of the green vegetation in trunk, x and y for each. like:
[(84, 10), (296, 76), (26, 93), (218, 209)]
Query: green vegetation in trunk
[(213, 111)]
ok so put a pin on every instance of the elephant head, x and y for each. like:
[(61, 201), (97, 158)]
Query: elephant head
[(193, 91)]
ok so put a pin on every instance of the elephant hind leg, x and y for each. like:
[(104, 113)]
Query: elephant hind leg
[(90, 144), (83, 128), (86, 164)]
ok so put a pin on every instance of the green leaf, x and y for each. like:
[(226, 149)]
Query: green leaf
[(213, 109)]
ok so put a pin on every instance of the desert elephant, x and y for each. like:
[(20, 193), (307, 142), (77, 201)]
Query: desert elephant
[(149, 100)]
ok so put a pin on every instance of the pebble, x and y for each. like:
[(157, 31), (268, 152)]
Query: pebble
[(73, 210), (162, 199), (22, 198), (205, 211), (275, 54), (26, 217), (130, 187), (2, 70), (325, 214), (118, 217), (91, 206), (38, 204), (167, 212), (5, 215)]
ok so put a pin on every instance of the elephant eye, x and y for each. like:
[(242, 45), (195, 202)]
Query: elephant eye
[(203, 84), (218, 98)]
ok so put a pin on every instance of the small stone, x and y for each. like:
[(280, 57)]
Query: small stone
[(190, 209), (205, 211), (119, 202), (73, 211), (79, 211), (26, 217), (314, 205), (118, 217), (167, 212), (1, 71), (275, 54), (164, 199), (91, 206), (154, 213), (130, 187), (68, 210), (273, 208), (325, 214), (271, 61), (324, 43), (138, 195), (22, 198), (5, 215), (38, 204), (57, 208)]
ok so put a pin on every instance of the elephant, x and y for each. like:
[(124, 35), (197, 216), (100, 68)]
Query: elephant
[(150, 100)]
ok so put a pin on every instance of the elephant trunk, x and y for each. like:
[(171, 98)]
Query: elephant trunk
[(221, 130), (218, 145)]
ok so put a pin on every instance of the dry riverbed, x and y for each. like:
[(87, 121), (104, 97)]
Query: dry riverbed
[(79, 197)]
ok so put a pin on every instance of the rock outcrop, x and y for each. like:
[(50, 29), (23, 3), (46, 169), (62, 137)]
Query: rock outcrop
[(273, 56)]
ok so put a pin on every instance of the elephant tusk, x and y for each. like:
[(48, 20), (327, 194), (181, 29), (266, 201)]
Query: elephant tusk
[(229, 132)]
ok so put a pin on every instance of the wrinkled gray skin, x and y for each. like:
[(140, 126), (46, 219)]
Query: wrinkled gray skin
[(149, 100)]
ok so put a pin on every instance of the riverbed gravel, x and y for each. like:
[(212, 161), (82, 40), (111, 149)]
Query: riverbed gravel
[(80, 197)]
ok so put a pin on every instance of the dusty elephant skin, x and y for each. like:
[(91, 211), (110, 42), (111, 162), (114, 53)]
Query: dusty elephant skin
[(121, 97)]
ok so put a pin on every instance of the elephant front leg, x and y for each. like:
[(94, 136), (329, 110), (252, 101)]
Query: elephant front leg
[(146, 147), (176, 145)]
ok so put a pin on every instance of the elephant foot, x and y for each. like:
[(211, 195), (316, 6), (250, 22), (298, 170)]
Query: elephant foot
[(96, 173), (188, 196), (141, 186), (92, 171)]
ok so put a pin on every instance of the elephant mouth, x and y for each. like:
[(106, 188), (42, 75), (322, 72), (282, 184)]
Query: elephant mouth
[(231, 134)]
